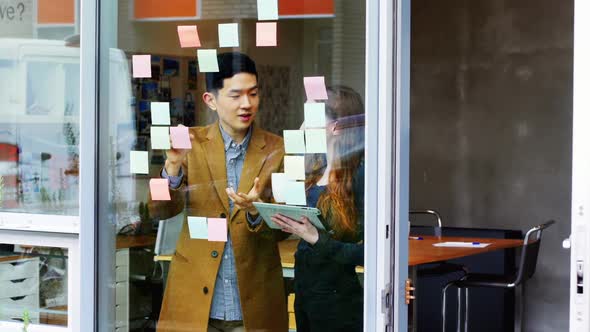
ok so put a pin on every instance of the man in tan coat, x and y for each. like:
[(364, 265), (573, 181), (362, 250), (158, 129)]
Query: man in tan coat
[(235, 285)]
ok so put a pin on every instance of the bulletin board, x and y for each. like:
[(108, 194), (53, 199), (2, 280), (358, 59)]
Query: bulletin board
[(306, 8), (169, 10), (56, 12)]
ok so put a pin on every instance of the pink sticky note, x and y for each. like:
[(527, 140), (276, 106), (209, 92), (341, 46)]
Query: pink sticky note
[(266, 34), (142, 66), (188, 36), (159, 189), (180, 137), (217, 228), (315, 88)]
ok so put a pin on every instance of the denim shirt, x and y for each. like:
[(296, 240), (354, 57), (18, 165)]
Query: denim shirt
[(226, 297)]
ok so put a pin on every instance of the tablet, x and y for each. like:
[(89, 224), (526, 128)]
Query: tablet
[(267, 210)]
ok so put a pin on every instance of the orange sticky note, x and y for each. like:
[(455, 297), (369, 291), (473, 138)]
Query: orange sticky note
[(142, 66), (159, 189), (315, 88), (180, 137), (188, 36), (266, 34), (217, 229)]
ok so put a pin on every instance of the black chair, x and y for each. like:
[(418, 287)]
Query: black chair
[(526, 269)]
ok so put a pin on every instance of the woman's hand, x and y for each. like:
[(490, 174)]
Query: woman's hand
[(303, 228)]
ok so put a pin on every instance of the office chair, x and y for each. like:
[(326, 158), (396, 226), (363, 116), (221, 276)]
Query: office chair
[(526, 269)]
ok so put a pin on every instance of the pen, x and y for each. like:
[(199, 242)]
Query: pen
[(475, 243), (416, 238)]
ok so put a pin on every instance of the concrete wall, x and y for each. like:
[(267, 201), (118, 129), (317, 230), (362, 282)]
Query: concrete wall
[(491, 127)]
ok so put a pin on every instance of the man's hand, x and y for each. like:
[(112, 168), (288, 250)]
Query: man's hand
[(175, 157), (244, 201)]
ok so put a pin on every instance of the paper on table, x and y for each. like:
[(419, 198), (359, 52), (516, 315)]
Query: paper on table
[(160, 113), (138, 162), (279, 186), (268, 10), (315, 141), (142, 66), (461, 244), (180, 137), (295, 167), (315, 115), (295, 193), (266, 34), (217, 229), (207, 61), (228, 35), (197, 228), (188, 36), (159, 189), (315, 88), (294, 141), (160, 137)]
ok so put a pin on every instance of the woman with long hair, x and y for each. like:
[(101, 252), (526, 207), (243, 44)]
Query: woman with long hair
[(328, 294)]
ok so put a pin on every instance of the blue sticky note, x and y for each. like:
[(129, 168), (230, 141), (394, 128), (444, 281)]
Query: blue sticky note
[(294, 193), (315, 141), (315, 115), (197, 227), (294, 141)]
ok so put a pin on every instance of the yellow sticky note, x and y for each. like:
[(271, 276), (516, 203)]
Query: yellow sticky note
[(228, 35), (188, 36), (138, 162), (315, 115), (266, 34), (207, 61), (160, 113), (279, 186), (268, 10), (295, 167), (294, 141), (160, 138), (295, 193), (315, 141)]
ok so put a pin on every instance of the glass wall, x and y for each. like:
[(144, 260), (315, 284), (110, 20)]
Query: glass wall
[(39, 149), (192, 138)]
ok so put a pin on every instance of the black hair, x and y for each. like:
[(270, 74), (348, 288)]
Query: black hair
[(230, 64)]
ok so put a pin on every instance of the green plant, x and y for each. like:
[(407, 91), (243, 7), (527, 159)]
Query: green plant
[(26, 320)]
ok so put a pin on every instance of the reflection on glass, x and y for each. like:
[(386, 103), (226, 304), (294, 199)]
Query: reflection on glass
[(34, 284)]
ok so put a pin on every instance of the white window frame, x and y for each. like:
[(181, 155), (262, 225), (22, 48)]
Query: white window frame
[(55, 240)]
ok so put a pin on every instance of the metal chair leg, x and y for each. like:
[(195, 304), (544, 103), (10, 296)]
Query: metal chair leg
[(459, 301), (444, 307), (466, 320), (522, 307)]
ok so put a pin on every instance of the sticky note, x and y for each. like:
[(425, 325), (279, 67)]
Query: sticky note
[(159, 189), (295, 193), (217, 229), (180, 137), (315, 115), (315, 88), (268, 10), (160, 113), (197, 228), (294, 141), (188, 36), (207, 61), (142, 66), (315, 141), (279, 185), (160, 137), (138, 162), (295, 167), (266, 34), (228, 35)]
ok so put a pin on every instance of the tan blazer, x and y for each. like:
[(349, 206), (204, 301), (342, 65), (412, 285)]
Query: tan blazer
[(189, 289)]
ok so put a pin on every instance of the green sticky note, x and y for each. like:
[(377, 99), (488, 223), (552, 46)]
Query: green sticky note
[(138, 162), (268, 10), (228, 35), (315, 115), (294, 141), (279, 186), (197, 227), (295, 167), (207, 61), (160, 113), (160, 137), (315, 141), (295, 193)]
